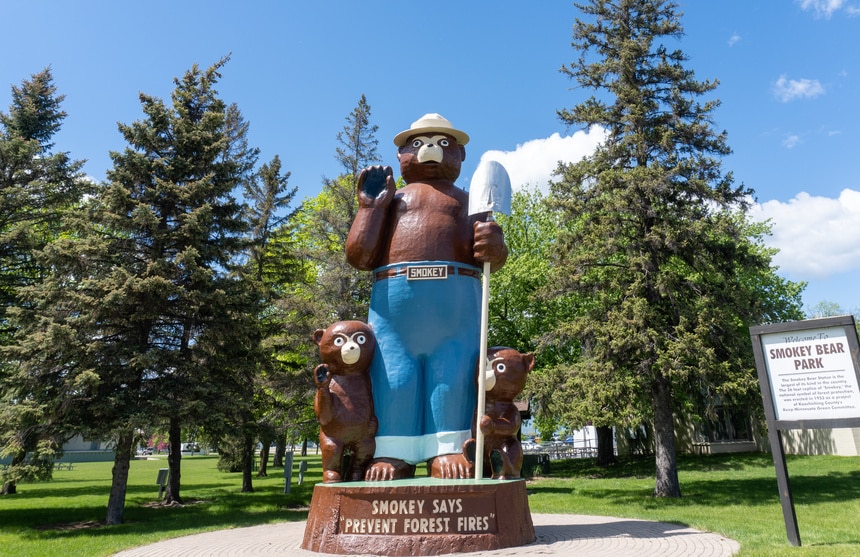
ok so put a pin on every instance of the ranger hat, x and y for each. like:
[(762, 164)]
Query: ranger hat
[(431, 123)]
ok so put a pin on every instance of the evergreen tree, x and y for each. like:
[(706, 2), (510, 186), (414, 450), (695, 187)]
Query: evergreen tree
[(323, 287), (37, 185), (125, 330), (341, 291), (357, 140), (270, 271), (655, 249)]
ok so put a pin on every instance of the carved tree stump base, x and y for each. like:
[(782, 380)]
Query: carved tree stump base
[(418, 517)]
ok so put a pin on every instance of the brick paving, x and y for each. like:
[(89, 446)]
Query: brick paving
[(559, 535)]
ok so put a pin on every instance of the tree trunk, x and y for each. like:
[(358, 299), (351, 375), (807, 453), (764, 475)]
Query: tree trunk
[(305, 447), (264, 460), (247, 463), (119, 481), (10, 486), (280, 451), (667, 484), (174, 462), (605, 446)]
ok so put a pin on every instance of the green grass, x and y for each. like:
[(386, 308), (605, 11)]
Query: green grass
[(61, 517), (735, 495)]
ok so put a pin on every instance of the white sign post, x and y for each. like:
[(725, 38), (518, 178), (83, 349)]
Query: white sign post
[(810, 379)]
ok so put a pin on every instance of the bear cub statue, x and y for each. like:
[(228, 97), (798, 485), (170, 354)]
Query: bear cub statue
[(507, 371), (344, 402)]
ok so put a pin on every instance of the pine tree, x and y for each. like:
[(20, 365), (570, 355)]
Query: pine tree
[(37, 185), (654, 244), (324, 222), (125, 330), (357, 140), (270, 271), (173, 190)]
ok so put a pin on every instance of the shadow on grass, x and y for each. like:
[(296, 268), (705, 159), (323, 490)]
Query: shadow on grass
[(207, 506), (643, 467)]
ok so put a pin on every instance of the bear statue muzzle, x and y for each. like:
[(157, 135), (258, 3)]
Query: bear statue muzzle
[(430, 152), (350, 353)]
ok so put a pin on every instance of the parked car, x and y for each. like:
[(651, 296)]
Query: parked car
[(530, 446), (190, 448)]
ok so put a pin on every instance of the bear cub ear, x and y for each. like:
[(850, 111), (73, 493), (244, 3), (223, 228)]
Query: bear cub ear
[(317, 336), (529, 360)]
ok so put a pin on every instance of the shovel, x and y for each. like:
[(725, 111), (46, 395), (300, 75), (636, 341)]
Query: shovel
[(489, 191)]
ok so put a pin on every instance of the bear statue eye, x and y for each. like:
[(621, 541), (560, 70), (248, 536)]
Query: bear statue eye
[(416, 143), (443, 142), (360, 339), (501, 367), (339, 341)]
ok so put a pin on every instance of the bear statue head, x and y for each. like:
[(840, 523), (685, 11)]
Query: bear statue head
[(346, 347), (431, 149), (507, 371)]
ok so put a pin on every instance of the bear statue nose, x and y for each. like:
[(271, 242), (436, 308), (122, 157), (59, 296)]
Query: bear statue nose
[(430, 152), (350, 353), (489, 378)]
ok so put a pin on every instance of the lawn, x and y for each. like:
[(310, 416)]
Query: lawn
[(735, 495), (61, 517)]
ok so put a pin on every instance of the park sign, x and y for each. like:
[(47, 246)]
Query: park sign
[(811, 374), (810, 379)]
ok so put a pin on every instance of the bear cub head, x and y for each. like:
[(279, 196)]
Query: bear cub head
[(346, 347), (507, 371)]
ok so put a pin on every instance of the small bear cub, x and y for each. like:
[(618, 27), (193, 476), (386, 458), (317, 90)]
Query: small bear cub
[(344, 401), (507, 371)]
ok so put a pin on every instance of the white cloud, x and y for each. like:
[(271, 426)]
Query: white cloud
[(789, 89), (817, 236), (822, 8), (734, 39), (533, 162), (791, 141)]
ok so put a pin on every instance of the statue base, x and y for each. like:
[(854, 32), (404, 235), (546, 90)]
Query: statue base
[(418, 517)]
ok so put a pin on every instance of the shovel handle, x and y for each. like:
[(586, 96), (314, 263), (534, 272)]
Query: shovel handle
[(482, 373)]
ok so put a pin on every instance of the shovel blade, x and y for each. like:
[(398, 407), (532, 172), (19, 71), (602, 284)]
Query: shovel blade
[(490, 189)]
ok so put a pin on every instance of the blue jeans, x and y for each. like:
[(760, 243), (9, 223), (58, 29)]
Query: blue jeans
[(423, 371)]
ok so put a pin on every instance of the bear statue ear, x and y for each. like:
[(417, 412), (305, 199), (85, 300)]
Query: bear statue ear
[(529, 359), (317, 336)]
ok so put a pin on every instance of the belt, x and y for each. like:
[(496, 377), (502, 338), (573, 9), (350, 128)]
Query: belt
[(449, 269)]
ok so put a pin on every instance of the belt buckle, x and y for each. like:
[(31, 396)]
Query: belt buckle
[(427, 272)]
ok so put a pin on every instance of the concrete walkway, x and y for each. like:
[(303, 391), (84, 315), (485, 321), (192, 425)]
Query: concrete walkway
[(559, 535)]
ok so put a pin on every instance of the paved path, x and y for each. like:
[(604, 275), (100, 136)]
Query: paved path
[(557, 535)]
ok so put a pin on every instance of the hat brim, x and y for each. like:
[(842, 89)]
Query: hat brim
[(401, 138)]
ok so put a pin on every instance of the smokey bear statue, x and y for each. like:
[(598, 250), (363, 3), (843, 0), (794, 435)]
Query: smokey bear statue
[(425, 252), (343, 402)]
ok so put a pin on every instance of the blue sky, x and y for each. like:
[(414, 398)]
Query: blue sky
[(788, 71)]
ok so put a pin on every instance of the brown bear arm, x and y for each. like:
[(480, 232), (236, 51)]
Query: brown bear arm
[(368, 233), (323, 404), (489, 245)]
